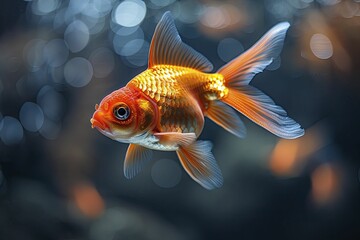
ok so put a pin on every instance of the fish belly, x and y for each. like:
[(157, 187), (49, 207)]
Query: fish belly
[(152, 142)]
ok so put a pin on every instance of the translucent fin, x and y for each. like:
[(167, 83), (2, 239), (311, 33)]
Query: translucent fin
[(226, 117), (167, 48), (242, 69), (248, 100), (261, 109), (175, 138), (200, 164), (136, 158)]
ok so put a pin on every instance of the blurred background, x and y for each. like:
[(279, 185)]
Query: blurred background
[(60, 179)]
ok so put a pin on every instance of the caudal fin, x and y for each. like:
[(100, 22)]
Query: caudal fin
[(250, 101)]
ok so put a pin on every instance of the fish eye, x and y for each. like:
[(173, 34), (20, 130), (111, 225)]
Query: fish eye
[(122, 112)]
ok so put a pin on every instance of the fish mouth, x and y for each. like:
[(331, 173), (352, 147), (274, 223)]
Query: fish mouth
[(96, 122)]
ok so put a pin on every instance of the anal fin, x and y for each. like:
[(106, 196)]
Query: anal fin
[(200, 164), (226, 117)]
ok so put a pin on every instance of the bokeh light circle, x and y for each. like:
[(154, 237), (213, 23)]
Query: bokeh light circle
[(11, 132), (31, 116), (166, 173), (140, 58), (56, 52), (51, 102), (321, 46), (229, 48), (78, 72), (214, 17), (43, 7), (123, 31), (129, 13), (127, 45), (77, 36), (103, 6), (77, 6), (162, 3), (131, 47)]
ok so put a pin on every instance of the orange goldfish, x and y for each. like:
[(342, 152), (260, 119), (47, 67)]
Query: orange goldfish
[(163, 108)]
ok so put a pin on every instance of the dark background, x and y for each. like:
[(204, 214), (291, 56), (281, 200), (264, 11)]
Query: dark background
[(65, 181)]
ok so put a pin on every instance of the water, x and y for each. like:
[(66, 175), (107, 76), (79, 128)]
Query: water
[(61, 179)]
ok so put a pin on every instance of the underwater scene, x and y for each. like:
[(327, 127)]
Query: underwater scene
[(179, 119)]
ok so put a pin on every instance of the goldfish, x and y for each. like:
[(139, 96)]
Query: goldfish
[(163, 108)]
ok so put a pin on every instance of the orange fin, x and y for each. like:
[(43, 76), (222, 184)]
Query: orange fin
[(136, 158), (175, 138), (167, 48), (250, 101), (261, 109), (200, 164), (242, 69), (226, 117)]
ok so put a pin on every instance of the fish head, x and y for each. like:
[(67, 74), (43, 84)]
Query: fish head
[(124, 115)]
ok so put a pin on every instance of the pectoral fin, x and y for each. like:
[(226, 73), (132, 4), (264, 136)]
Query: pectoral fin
[(226, 117), (200, 164), (175, 138), (136, 158)]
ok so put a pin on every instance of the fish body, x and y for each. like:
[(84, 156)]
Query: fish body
[(163, 108), (181, 109)]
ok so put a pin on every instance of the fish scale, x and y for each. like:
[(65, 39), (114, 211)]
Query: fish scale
[(165, 80), (163, 84)]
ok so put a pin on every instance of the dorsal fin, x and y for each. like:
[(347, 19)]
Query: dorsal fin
[(167, 48)]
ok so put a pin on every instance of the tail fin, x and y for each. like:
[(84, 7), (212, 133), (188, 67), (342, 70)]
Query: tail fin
[(250, 101)]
